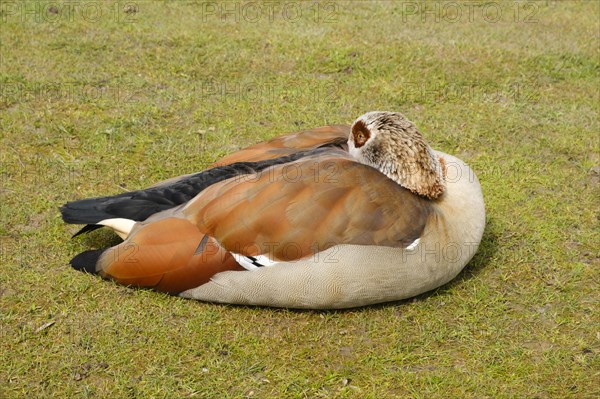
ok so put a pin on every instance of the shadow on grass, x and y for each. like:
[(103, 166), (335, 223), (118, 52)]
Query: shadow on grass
[(99, 239)]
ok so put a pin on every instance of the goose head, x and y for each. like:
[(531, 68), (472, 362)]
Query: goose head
[(393, 145)]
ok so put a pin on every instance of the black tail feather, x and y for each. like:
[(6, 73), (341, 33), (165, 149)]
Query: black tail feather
[(86, 261), (141, 204), (94, 210), (87, 228)]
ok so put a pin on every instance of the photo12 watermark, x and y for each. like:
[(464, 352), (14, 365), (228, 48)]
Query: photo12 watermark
[(68, 11), (48, 171), (469, 11), (448, 252), (332, 172), (73, 92), (269, 11), (473, 91), (266, 91), (320, 252)]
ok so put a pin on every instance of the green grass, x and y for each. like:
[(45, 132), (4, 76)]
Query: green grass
[(98, 106)]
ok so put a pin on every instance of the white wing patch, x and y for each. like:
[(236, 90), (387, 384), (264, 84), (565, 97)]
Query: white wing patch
[(253, 262), (121, 226), (412, 246)]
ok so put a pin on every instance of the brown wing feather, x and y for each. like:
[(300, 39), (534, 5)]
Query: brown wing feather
[(287, 144), (291, 211), (164, 255), (278, 147)]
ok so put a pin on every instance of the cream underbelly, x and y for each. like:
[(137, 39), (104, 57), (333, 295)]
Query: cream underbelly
[(341, 277)]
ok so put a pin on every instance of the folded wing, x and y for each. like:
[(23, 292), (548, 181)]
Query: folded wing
[(293, 210)]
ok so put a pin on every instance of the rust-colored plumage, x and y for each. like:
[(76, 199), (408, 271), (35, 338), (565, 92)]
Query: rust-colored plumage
[(288, 144), (294, 210), (165, 256), (285, 200)]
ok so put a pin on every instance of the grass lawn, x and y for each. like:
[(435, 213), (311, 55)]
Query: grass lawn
[(101, 97)]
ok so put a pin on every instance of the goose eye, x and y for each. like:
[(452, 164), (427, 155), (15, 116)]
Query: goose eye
[(360, 139), (360, 133)]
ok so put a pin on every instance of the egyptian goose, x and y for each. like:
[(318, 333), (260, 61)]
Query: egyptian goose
[(333, 217)]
